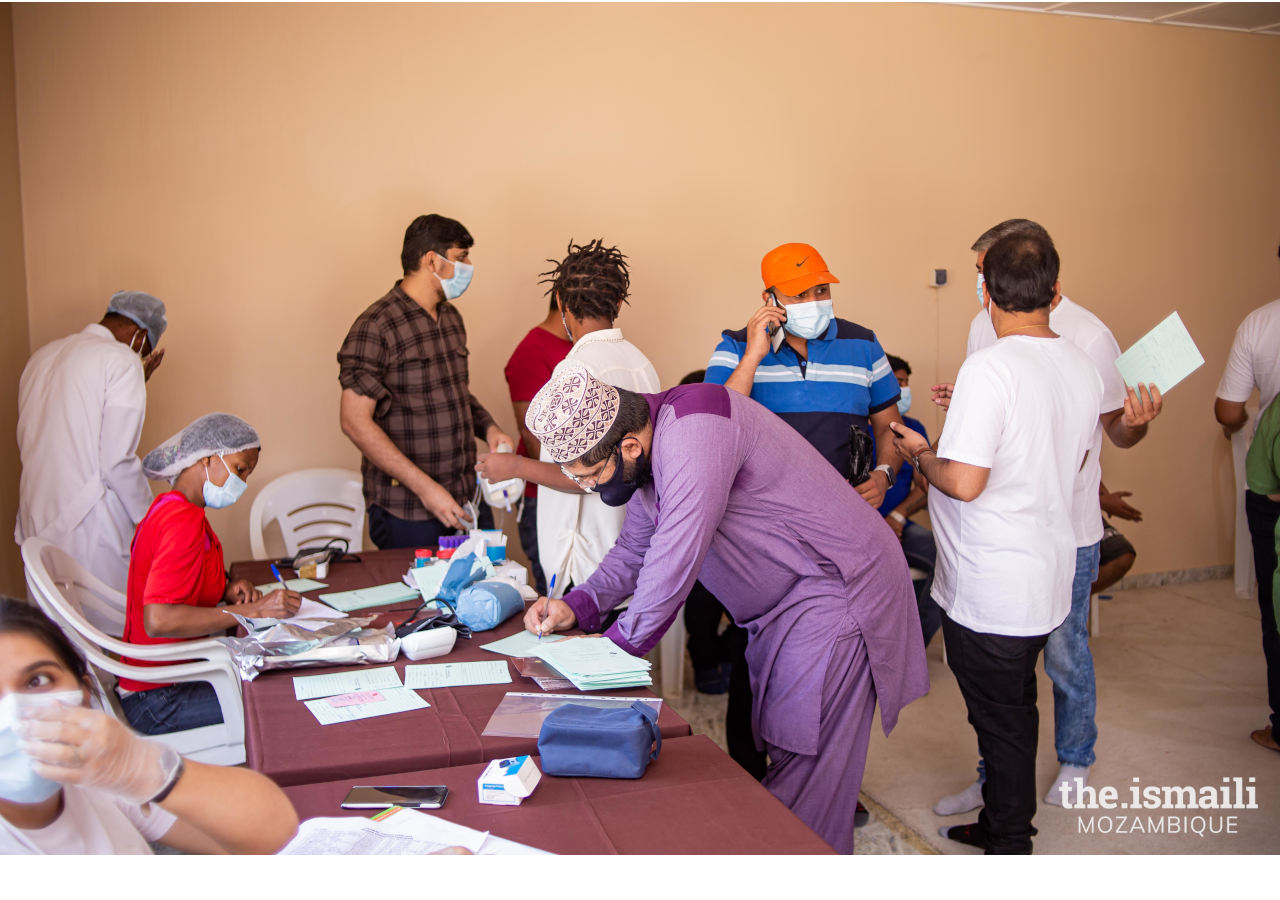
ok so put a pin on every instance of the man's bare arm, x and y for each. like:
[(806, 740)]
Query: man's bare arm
[(358, 425), (1230, 415)]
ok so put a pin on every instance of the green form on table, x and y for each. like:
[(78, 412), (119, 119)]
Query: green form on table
[(300, 585), (596, 663), (522, 643), (443, 675), (382, 595), (1163, 356)]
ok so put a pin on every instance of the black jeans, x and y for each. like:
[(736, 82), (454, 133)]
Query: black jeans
[(708, 649), (1263, 514), (389, 532), (529, 541), (997, 677)]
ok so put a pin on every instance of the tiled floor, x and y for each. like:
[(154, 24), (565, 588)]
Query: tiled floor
[(1181, 684)]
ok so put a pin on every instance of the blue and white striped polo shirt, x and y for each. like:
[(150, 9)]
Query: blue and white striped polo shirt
[(846, 379)]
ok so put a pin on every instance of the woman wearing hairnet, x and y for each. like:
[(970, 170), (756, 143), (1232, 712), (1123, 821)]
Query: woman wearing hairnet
[(177, 577)]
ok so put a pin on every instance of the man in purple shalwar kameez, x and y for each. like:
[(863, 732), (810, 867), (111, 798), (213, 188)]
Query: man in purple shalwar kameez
[(721, 489)]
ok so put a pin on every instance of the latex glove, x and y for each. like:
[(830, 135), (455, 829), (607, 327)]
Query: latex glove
[(75, 745)]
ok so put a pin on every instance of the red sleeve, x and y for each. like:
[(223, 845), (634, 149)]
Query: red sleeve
[(180, 551), (527, 371)]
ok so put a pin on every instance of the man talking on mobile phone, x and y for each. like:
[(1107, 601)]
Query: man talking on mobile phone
[(821, 375)]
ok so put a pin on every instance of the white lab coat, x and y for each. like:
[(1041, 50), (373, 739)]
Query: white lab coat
[(575, 531), (81, 403)]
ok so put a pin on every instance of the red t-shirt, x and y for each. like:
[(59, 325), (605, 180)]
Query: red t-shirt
[(529, 369), (176, 558)]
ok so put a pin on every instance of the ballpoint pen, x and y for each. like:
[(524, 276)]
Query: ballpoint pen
[(543, 617), (279, 577)]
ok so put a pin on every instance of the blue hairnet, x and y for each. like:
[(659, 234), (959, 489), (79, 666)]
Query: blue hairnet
[(145, 311), (216, 434)]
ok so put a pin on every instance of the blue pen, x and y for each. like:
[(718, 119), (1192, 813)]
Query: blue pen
[(279, 577), (550, 589)]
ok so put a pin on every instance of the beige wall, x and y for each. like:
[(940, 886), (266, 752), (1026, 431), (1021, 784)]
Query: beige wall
[(13, 308), (256, 165)]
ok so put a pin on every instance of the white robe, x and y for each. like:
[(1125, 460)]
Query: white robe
[(81, 404), (575, 531)]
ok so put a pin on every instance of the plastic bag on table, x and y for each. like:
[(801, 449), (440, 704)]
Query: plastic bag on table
[(284, 646)]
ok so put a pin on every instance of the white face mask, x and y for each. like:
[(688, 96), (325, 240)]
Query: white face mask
[(904, 402), (18, 781), (808, 320), (982, 279)]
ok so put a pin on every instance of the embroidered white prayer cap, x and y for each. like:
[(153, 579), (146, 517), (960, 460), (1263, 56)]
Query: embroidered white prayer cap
[(572, 413)]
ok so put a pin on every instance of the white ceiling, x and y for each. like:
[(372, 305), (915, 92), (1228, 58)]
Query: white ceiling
[(1258, 18)]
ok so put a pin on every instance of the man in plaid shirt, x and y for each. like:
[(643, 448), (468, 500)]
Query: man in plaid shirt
[(406, 397)]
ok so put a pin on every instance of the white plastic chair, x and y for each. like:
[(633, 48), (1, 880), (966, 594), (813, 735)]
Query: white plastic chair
[(313, 507), (58, 583)]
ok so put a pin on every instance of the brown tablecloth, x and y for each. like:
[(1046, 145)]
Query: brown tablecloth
[(692, 799), (284, 741)]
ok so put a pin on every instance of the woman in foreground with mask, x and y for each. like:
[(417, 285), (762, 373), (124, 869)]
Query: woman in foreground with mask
[(177, 575), (73, 780)]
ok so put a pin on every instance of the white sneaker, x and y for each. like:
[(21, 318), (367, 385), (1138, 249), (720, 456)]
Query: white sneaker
[(1069, 774), (968, 799)]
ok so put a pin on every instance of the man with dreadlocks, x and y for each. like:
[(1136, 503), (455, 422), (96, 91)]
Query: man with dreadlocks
[(576, 529)]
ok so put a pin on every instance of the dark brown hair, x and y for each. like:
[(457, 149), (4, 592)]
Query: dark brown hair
[(17, 617)]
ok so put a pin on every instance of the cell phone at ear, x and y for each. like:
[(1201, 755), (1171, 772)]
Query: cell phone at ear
[(384, 796)]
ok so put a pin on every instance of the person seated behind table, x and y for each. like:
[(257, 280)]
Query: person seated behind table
[(1117, 555), (73, 780), (904, 499), (177, 576)]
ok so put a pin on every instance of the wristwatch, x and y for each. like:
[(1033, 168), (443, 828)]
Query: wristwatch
[(888, 471)]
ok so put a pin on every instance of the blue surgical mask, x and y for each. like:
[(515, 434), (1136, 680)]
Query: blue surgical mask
[(18, 781), (222, 496), (982, 279), (454, 287), (904, 402), (809, 320)]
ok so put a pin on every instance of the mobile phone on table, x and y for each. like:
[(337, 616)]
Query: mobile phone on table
[(384, 796)]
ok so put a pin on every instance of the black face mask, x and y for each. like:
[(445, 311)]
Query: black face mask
[(617, 491)]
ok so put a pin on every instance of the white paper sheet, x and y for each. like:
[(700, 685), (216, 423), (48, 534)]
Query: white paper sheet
[(311, 687), (445, 675), (395, 700), (1163, 356), (398, 832)]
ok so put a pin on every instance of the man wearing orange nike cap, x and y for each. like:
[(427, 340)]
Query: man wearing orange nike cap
[(821, 375)]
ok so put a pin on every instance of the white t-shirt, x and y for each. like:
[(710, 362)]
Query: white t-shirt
[(575, 531), (1255, 358), (92, 823), (1026, 409), (1086, 331)]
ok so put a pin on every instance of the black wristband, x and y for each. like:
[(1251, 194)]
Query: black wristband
[(171, 783)]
